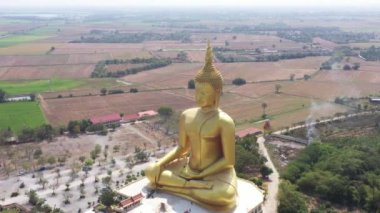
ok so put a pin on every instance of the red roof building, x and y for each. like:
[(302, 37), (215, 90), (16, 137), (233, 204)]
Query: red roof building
[(130, 117), (248, 131), (103, 119), (131, 201)]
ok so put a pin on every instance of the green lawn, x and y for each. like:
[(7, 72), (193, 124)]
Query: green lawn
[(18, 115), (13, 40), (38, 86)]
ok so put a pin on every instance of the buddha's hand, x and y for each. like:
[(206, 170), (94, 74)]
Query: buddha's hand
[(189, 175)]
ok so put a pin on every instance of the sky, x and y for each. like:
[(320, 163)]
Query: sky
[(165, 3)]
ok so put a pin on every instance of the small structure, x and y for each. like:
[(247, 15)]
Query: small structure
[(249, 131), (131, 201), (149, 113), (290, 138), (106, 119), (374, 100), (19, 98)]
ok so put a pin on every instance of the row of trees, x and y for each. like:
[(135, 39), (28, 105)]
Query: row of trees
[(43, 132), (333, 34), (47, 132), (117, 37), (268, 57), (104, 91), (343, 171), (100, 70)]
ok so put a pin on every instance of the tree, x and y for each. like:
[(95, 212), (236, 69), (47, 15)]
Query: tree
[(103, 91), (191, 84), (84, 124), (51, 160), (239, 81), (26, 135), (356, 66), (45, 132), (33, 197), (291, 77), (67, 197), (82, 159), (291, 201), (133, 90), (182, 56), (37, 153), (97, 149), (2, 96), (73, 127), (267, 127), (277, 88), (140, 155), (264, 106), (107, 181), (165, 112), (5, 134), (265, 171), (346, 67), (107, 198), (32, 97)]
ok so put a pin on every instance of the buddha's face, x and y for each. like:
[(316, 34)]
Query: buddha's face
[(205, 95)]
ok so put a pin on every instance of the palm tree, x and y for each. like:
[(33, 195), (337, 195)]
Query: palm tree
[(264, 106), (277, 88)]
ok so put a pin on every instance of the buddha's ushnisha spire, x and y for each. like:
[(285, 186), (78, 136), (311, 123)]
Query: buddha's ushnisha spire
[(208, 58), (209, 74)]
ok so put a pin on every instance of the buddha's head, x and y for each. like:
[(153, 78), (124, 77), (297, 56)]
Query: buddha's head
[(208, 83)]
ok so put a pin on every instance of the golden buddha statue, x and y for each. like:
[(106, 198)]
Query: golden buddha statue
[(201, 167)]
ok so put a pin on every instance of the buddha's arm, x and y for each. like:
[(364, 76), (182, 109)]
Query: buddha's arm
[(182, 148), (228, 146)]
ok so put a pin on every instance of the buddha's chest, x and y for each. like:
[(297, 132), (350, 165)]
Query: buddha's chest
[(202, 127)]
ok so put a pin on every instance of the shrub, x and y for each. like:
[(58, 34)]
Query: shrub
[(239, 81)]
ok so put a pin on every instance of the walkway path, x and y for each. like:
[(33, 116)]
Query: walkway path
[(270, 204)]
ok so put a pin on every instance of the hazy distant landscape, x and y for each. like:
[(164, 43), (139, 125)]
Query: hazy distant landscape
[(286, 66)]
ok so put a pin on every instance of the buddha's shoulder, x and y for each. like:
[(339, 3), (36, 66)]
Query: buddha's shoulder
[(190, 111), (224, 118)]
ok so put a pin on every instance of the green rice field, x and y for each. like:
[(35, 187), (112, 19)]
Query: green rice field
[(13, 40), (18, 115), (38, 86)]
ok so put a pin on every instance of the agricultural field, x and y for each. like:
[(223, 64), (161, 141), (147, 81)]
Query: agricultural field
[(12, 40), (38, 86), (329, 90), (46, 72), (19, 115), (61, 110), (244, 41), (27, 65)]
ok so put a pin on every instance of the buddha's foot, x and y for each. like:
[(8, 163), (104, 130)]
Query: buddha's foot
[(198, 184)]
